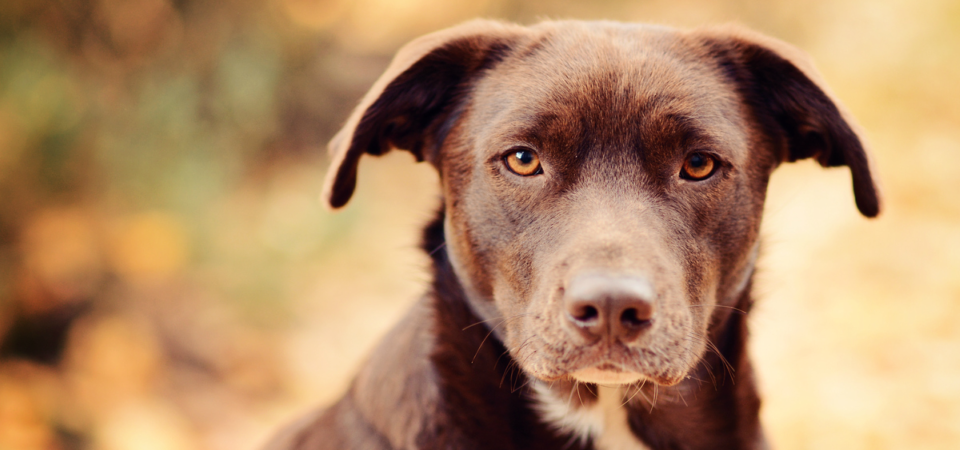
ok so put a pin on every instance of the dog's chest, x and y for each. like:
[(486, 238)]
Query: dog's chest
[(604, 421)]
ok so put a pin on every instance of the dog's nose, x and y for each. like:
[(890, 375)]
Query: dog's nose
[(618, 307)]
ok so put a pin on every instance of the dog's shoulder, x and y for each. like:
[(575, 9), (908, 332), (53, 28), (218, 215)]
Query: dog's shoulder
[(389, 403), (396, 390), (341, 426)]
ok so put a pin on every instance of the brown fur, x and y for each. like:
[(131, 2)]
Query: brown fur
[(612, 110)]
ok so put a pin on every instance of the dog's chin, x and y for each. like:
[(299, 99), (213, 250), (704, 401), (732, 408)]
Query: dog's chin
[(597, 375)]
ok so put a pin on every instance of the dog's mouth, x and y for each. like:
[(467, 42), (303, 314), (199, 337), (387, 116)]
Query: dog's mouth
[(607, 374), (615, 366), (608, 364)]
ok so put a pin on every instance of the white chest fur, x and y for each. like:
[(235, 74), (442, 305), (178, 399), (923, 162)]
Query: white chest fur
[(605, 421)]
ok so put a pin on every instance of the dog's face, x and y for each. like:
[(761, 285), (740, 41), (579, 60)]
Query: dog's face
[(603, 183), (629, 180)]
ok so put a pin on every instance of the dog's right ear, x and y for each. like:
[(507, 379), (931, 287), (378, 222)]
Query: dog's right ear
[(409, 105)]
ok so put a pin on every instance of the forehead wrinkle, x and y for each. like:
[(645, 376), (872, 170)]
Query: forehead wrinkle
[(611, 80), (693, 122)]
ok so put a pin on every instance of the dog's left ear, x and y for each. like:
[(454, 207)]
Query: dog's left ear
[(410, 105), (794, 106)]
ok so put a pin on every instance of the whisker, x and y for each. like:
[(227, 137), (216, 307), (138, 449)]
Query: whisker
[(522, 385), (496, 318), (656, 390), (723, 359), (506, 370), (695, 378), (703, 361), (640, 392), (442, 245), (570, 397), (503, 354), (484, 341), (587, 386), (720, 306), (518, 372), (637, 391), (680, 393), (513, 363), (713, 348), (489, 333)]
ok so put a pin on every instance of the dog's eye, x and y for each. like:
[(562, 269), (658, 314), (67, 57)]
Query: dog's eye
[(523, 161), (698, 166)]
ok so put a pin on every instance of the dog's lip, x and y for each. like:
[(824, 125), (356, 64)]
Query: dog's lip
[(611, 359), (607, 374), (607, 360)]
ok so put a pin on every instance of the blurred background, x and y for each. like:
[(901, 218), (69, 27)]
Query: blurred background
[(169, 279)]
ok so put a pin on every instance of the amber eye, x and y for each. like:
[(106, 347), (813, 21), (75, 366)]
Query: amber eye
[(523, 161), (698, 166)]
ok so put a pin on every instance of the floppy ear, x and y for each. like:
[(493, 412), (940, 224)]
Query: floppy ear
[(794, 106), (410, 105)]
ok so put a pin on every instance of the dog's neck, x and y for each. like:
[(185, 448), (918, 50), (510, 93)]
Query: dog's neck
[(493, 404)]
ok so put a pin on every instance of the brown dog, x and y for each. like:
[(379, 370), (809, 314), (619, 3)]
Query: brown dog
[(603, 186)]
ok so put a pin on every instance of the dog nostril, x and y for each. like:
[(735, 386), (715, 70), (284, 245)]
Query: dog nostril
[(631, 318), (584, 313)]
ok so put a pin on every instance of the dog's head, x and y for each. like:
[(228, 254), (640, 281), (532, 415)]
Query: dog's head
[(603, 182)]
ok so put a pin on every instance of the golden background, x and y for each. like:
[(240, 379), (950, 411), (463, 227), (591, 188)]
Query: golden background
[(169, 279)]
